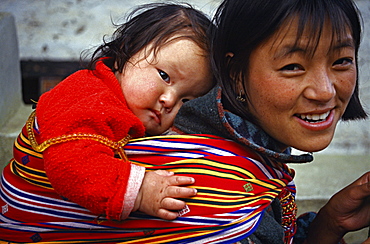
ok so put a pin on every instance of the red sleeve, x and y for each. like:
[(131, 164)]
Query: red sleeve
[(86, 171)]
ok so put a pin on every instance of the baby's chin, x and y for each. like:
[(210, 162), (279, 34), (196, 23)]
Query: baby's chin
[(157, 132)]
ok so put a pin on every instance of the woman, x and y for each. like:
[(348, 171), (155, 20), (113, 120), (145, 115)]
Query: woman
[(288, 73)]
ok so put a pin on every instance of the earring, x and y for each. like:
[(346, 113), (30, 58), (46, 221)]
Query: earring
[(240, 97)]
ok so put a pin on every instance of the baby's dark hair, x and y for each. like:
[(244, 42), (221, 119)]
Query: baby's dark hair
[(153, 24)]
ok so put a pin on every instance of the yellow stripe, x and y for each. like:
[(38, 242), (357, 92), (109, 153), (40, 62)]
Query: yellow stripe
[(28, 179), (216, 164), (220, 195), (59, 242), (168, 240), (39, 185), (198, 171), (209, 172), (219, 190), (251, 200), (236, 200), (140, 163), (26, 150), (266, 184), (30, 169), (200, 161)]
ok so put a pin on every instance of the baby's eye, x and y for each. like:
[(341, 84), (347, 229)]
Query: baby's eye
[(164, 75), (185, 100), (292, 67)]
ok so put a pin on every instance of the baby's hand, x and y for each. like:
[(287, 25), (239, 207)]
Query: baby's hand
[(158, 191)]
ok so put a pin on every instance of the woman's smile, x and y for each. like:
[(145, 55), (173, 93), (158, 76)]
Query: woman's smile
[(314, 118), (316, 122)]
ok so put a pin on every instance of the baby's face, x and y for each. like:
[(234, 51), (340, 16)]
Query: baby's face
[(156, 87)]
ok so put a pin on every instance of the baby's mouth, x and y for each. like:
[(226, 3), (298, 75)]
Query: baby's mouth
[(157, 116), (314, 118)]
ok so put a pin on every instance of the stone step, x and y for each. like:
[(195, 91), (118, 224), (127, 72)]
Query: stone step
[(9, 132)]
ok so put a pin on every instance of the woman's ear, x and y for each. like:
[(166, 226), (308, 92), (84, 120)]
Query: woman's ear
[(237, 79), (229, 55), (228, 58)]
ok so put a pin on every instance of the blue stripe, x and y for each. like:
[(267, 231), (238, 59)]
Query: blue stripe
[(41, 199)]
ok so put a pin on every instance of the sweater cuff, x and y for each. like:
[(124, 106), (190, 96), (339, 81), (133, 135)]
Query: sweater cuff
[(133, 186)]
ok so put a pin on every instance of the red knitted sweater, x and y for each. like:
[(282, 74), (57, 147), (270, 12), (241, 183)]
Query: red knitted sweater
[(86, 171)]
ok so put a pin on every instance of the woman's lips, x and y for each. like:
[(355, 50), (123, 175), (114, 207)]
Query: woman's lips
[(316, 121)]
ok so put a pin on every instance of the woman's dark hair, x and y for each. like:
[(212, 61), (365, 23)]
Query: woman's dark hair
[(242, 25), (153, 24)]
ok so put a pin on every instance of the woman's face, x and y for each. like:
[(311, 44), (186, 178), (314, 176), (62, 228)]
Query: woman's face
[(296, 97)]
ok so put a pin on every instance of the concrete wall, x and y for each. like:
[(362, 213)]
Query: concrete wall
[(9, 61), (11, 107), (50, 29)]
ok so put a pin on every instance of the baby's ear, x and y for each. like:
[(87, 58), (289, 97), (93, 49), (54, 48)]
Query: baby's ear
[(115, 66)]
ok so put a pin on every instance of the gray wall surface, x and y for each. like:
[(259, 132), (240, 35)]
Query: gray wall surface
[(61, 30)]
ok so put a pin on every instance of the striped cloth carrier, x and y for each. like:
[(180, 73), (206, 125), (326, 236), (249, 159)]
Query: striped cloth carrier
[(234, 190)]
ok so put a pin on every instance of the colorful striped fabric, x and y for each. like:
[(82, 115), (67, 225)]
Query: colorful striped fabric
[(234, 190)]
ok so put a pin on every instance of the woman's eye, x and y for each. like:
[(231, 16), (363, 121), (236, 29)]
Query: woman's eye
[(292, 67), (164, 75), (343, 61)]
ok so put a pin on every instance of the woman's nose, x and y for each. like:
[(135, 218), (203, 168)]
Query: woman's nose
[(321, 86)]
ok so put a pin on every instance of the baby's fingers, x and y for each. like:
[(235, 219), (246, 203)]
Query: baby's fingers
[(164, 172), (181, 180), (180, 192), (172, 208), (166, 214), (172, 204)]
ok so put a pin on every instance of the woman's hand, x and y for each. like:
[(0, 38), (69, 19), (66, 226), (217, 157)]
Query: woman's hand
[(348, 210), (350, 207), (158, 191)]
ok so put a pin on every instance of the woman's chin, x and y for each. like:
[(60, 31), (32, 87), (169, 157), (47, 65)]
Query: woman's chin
[(314, 147)]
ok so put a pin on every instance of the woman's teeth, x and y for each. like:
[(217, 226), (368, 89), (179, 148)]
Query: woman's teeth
[(314, 118)]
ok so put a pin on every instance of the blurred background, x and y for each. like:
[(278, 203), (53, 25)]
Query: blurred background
[(41, 43)]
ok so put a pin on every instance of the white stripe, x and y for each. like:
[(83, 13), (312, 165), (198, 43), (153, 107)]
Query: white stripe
[(81, 225), (183, 146), (23, 228), (169, 154), (241, 229), (41, 212), (62, 202), (262, 167)]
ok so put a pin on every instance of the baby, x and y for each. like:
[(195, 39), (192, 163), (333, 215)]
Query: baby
[(134, 86)]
